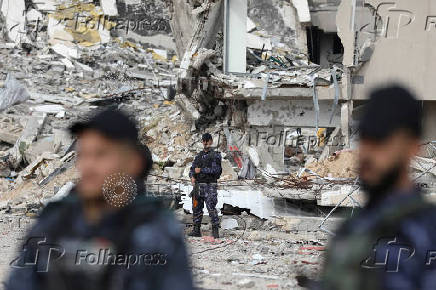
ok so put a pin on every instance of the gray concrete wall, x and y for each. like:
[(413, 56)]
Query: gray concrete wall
[(149, 23), (430, 121), (296, 113), (403, 49), (279, 19)]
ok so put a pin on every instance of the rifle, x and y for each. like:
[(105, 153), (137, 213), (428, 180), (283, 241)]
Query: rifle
[(194, 194)]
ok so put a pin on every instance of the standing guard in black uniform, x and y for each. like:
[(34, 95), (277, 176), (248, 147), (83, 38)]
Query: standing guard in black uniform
[(205, 171)]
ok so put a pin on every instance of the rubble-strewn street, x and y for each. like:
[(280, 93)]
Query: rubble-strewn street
[(279, 84)]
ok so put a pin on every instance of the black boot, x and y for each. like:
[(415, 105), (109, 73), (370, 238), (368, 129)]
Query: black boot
[(215, 231), (195, 231)]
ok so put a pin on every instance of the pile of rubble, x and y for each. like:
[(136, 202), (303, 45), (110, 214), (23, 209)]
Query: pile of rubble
[(43, 92), (341, 164), (58, 75)]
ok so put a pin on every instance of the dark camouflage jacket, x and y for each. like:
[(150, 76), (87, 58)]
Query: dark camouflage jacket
[(137, 247), (391, 245), (210, 164)]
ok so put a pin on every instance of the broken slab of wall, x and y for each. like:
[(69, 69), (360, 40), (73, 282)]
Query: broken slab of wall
[(182, 24), (323, 14), (145, 22), (195, 26), (75, 24), (15, 20), (3, 28), (298, 113), (278, 21)]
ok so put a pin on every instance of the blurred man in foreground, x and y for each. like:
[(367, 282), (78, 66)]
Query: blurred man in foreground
[(391, 242), (107, 233)]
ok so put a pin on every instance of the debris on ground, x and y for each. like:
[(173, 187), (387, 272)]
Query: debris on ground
[(278, 122)]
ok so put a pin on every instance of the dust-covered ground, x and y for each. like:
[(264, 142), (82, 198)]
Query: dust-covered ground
[(244, 257)]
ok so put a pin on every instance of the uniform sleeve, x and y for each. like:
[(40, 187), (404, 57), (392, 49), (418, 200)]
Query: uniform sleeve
[(215, 167), (194, 164), (163, 237), (30, 262)]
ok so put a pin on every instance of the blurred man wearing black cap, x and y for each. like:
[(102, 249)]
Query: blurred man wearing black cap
[(107, 233), (205, 171), (387, 244)]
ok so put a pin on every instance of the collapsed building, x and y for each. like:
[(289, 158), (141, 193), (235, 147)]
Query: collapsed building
[(290, 69), (278, 83)]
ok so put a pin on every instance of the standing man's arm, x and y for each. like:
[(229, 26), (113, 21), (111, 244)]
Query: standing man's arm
[(192, 169)]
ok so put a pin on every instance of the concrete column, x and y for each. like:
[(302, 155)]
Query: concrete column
[(235, 35)]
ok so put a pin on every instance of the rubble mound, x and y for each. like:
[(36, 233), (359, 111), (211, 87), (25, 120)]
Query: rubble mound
[(342, 164)]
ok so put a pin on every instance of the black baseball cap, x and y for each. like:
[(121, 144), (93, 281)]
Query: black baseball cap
[(116, 125), (112, 123), (391, 109), (206, 137)]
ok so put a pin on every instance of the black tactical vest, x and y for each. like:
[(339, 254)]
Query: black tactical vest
[(205, 159)]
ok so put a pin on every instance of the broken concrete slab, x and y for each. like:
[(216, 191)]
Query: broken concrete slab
[(13, 92), (62, 141), (35, 167), (45, 144), (109, 7), (338, 193), (48, 109), (10, 130), (302, 8), (242, 197), (229, 223), (228, 171), (424, 165), (204, 34), (28, 136), (70, 52), (15, 20), (258, 42), (188, 109), (304, 223), (54, 99), (173, 172)]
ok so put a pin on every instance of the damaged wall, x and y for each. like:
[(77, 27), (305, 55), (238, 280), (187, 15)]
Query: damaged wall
[(12, 13), (3, 29), (297, 113), (278, 20), (88, 23), (323, 14), (402, 51), (149, 22)]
